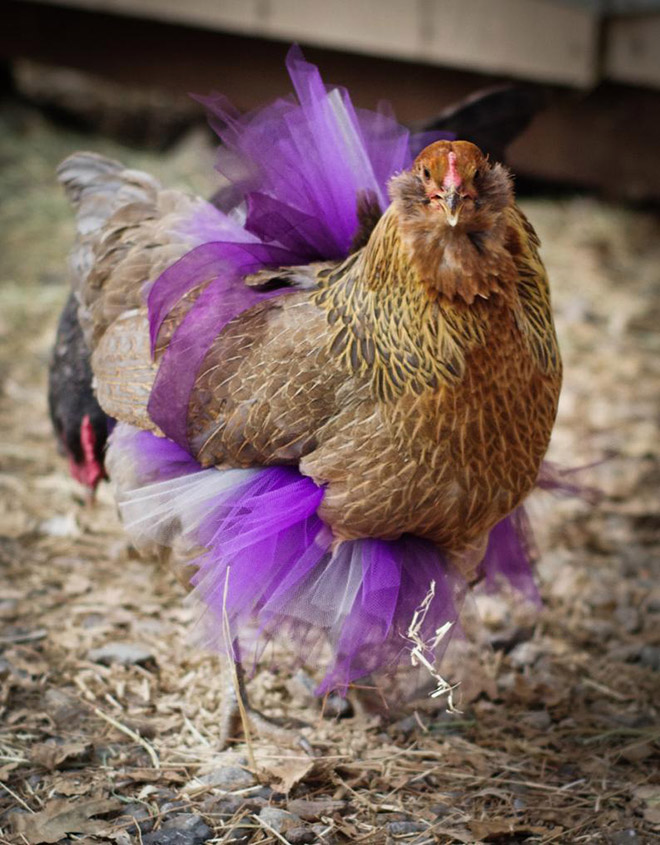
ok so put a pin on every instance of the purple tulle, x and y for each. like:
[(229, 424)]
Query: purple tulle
[(266, 564), (297, 168), (155, 458), (508, 556), (224, 296), (313, 154)]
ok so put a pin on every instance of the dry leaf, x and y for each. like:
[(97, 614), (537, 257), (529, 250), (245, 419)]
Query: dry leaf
[(61, 817), (313, 810), (69, 786), (495, 828), (52, 755), (7, 769), (153, 775), (650, 795), (280, 770)]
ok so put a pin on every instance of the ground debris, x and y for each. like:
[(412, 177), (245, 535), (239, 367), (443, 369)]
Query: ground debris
[(54, 755), (558, 738), (61, 817), (125, 653)]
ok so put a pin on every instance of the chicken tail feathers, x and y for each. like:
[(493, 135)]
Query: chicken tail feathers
[(97, 186)]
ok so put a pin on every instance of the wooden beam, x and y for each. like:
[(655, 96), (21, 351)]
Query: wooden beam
[(540, 40), (632, 49), (605, 140)]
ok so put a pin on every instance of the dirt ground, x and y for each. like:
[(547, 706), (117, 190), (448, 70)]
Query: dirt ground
[(108, 726)]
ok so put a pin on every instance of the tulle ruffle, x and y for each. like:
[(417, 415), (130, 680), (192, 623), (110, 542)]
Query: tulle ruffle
[(265, 563), (294, 171)]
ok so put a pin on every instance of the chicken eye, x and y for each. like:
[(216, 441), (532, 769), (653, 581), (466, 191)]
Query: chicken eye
[(427, 173)]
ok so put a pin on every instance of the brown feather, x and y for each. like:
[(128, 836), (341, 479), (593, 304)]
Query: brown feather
[(417, 380)]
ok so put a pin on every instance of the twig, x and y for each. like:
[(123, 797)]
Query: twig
[(270, 829), (17, 798), (234, 675), (617, 696), (417, 654), (133, 735), (193, 730)]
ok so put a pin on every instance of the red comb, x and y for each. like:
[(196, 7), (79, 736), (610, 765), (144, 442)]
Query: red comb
[(452, 176), (91, 471)]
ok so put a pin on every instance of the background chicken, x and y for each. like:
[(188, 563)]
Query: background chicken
[(376, 411), (80, 425), (491, 119)]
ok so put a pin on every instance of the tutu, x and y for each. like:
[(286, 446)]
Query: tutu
[(264, 561)]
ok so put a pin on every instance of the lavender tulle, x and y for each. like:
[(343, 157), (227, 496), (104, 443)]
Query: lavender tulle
[(265, 563), (294, 171)]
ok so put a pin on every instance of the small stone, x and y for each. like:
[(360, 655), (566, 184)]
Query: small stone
[(128, 654), (312, 811), (227, 805), (649, 655), (134, 817), (403, 828), (279, 820), (182, 829), (175, 837), (301, 836), (229, 778), (190, 823), (168, 806), (624, 837)]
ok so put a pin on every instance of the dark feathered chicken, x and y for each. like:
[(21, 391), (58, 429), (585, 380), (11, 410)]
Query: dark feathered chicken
[(80, 425)]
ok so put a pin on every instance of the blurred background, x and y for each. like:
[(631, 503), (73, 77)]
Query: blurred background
[(124, 67), (574, 695)]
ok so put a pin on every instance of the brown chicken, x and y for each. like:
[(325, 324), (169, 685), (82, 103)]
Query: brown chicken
[(490, 118), (417, 380), (377, 388)]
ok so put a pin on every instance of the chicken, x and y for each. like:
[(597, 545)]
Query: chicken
[(453, 400), (491, 118), (377, 389), (80, 425)]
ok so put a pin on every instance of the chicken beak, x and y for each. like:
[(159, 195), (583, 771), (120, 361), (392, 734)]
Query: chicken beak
[(453, 206)]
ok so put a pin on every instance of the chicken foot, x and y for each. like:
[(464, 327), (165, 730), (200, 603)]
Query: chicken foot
[(238, 716)]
